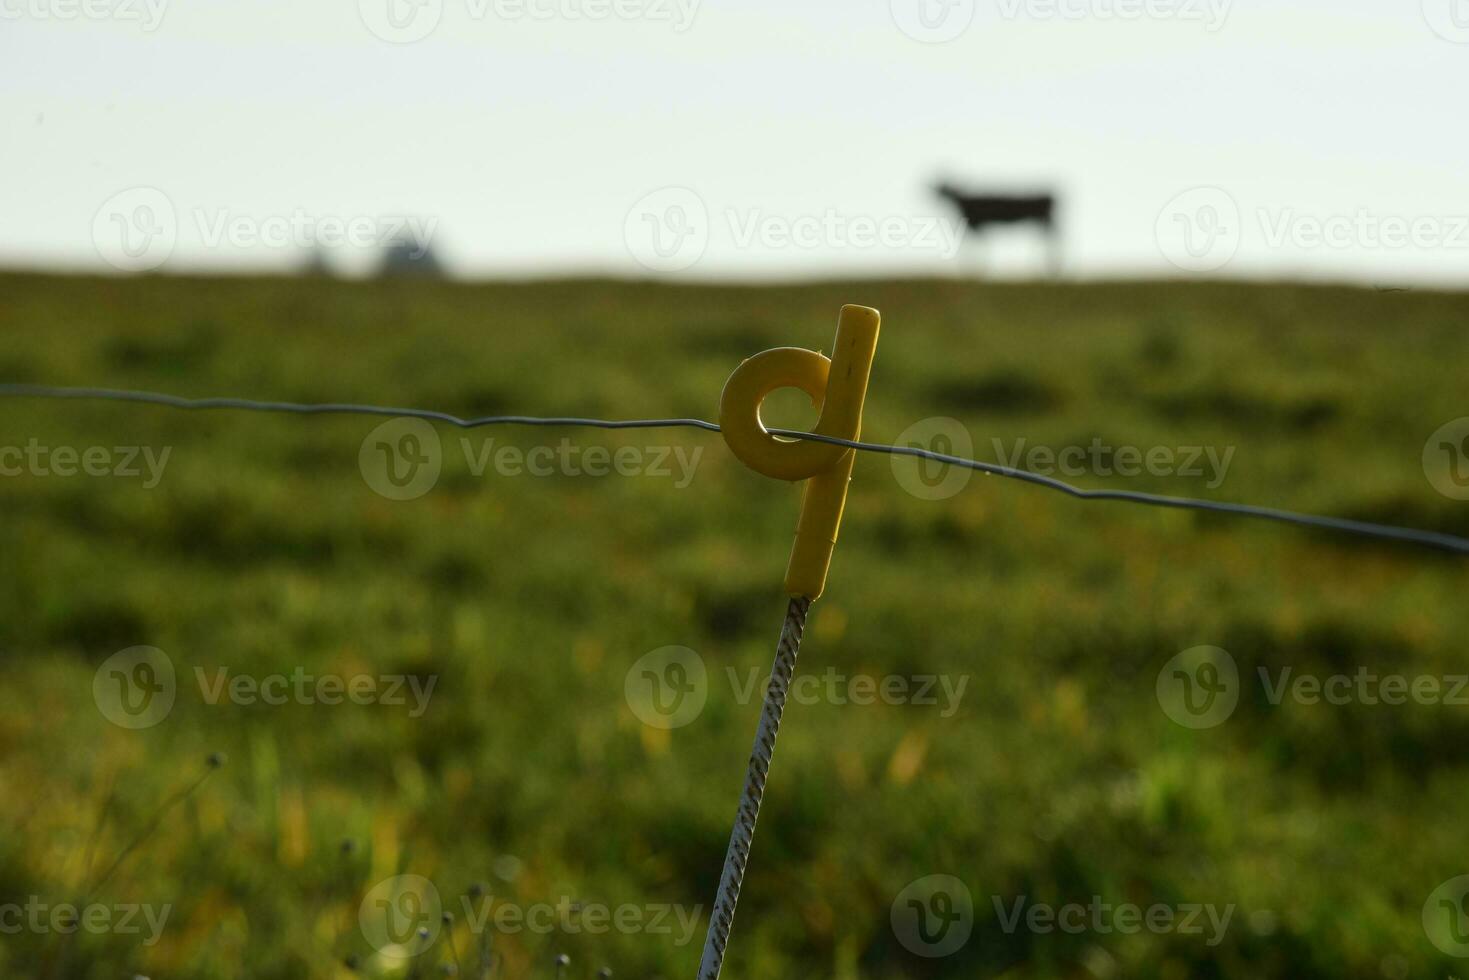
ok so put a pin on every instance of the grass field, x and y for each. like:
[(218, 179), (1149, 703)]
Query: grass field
[(1056, 777)]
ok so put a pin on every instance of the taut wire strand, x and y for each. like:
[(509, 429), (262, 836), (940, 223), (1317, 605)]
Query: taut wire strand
[(1365, 529)]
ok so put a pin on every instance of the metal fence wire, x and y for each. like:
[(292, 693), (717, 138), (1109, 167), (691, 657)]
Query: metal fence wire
[(1384, 532)]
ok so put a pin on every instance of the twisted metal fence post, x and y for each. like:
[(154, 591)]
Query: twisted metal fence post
[(721, 920)]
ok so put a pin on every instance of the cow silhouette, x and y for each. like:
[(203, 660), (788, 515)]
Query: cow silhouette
[(980, 211)]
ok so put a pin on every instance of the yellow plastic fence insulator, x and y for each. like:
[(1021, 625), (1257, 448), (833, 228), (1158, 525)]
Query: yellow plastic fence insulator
[(837, 387)]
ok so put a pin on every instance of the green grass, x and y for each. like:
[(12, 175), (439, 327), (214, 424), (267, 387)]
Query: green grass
[(528, 599)]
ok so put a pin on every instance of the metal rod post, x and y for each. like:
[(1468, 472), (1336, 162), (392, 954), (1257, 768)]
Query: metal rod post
[(743, 834)]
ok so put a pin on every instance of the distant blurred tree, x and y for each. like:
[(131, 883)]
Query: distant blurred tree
[(316, 264), (409, 257)]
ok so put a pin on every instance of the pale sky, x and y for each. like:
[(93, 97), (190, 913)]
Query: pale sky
[(738, 138)]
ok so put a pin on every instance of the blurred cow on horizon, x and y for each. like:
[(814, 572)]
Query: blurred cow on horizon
[(983, 210)]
